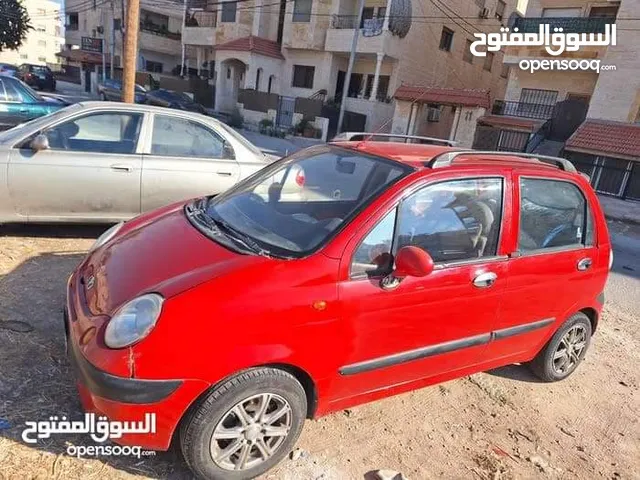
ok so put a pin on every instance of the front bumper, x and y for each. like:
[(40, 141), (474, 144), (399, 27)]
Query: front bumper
[(122, 398)]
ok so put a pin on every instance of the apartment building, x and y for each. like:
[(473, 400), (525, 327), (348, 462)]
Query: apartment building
[(301, 48), (44, 41), (591, 117), (94, 27)]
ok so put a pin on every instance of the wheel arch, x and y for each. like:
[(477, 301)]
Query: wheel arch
[(592, 315)]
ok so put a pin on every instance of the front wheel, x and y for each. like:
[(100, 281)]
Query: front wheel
[(245, 426), (565, 351)]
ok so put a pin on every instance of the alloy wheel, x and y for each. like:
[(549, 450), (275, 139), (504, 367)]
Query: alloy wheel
[(251, 432), (570, 350)]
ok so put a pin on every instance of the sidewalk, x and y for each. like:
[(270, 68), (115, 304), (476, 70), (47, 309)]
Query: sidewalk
[(627, 211)]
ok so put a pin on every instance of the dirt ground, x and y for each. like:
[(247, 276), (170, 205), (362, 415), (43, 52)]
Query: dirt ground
[(496, 425)]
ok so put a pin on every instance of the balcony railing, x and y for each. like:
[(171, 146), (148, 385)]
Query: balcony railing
[(160, 30), (349, 22), (202, 19), (569, 24), (520, 109)]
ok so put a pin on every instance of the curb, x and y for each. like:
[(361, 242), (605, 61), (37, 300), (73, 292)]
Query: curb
[(623, 219)]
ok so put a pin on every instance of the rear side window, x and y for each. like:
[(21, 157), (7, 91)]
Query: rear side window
[(553, 214)]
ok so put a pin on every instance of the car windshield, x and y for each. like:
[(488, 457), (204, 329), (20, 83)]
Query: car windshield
[(294, 206)]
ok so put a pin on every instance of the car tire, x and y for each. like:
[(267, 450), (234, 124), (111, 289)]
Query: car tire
[(244, 395), (563, 353)]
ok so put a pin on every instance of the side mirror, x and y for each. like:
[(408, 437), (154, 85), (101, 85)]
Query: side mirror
[(40, 142), (227, 151), (410, 262)]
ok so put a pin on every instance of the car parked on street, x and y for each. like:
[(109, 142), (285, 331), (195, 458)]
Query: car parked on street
[(172, 99), (37, 76), (111, 90), (8, 69), (19, 103), (107, 162), (409, 265)]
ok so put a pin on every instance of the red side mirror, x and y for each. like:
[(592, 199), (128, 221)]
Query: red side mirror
[(412, 262)]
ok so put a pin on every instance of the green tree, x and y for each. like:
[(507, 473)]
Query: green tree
[(14, 24)]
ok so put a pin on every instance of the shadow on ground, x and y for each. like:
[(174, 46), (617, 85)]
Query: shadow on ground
[(36, 380)]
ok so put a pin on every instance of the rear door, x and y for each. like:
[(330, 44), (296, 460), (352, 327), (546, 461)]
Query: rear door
[(183, 159), (91, 169), (550, 268)]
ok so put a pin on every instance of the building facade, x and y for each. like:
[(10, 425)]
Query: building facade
[(590, 117), (44, 41), (301, 49)]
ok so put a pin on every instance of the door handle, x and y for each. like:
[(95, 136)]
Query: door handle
[(224, 174), (485, 280), (585, 264), (121, 168)]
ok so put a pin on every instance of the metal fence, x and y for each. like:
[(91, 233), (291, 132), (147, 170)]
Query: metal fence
[(609, 176), (568, 24), (521, 109)]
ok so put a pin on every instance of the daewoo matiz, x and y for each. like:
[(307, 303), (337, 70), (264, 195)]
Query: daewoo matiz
[(375, 269)]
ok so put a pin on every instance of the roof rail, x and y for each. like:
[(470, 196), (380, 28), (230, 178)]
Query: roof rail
[(446, 158), (355, 136)]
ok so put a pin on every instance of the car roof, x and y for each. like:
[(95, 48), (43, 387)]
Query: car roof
[(138, 107), (419, 155)]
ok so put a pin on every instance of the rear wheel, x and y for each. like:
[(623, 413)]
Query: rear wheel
[(565, 351), (245, 426)]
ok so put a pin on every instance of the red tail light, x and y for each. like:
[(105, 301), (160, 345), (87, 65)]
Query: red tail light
[(300, 178)]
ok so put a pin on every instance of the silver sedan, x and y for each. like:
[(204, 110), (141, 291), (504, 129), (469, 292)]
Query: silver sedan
[(107, 162)]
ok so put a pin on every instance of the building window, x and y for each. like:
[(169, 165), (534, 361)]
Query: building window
[(505, 71), (382, 11), (488, 61), (24, 56), (151, 66), (258, 75), (467, 56), (500, 7), (539, 96), (303, 76), (42, 43), (228, 73), (72, 21), (228, 12), (42, 59), (41, 12), (41, 28), (606, 12), (270, 84), (302, 11), (446, 39), (116, 60), (367, 14)]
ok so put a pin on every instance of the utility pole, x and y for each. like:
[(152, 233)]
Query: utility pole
[(112, 47), (130, 50), (184, 20), (352, 58)]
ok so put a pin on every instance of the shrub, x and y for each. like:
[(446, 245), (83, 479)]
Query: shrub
[(265, 125)]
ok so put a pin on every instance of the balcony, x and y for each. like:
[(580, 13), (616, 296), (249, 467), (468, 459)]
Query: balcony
[(200, 29), (374, 38), (158, 38), (521, 109), (568, 24)]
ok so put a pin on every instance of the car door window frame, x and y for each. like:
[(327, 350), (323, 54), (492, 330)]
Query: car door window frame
[(411, 190), (26, 140), (214, 131), (588, 216)]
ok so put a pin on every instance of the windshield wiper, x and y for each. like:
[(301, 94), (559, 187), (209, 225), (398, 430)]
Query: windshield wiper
[(241, 238)]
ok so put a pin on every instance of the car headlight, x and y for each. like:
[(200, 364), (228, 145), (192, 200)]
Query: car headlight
[(106, 236), (133, 321)]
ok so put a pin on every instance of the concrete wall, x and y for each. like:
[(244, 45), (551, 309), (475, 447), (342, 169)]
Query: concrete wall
[(466, 125), (439, 129), (564, 82), (617, 93)]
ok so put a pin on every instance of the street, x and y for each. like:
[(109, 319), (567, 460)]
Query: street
[(499, 424)]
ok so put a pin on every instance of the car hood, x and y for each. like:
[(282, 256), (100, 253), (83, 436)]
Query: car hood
[(157, 252)]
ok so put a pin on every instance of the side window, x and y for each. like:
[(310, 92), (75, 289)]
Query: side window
[(178, 137), (373, 256), (455, 220), (3, 92), (14, 94), (110, 132), (552, 214)]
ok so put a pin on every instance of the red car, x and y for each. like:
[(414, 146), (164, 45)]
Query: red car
[(233, 318)]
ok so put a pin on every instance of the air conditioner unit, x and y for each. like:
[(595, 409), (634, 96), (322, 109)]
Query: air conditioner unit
[(433, 114), (484, 13)]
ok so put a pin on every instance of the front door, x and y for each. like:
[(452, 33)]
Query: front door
[(430, 325), (550, 271), (91, 170), (185, 159)]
